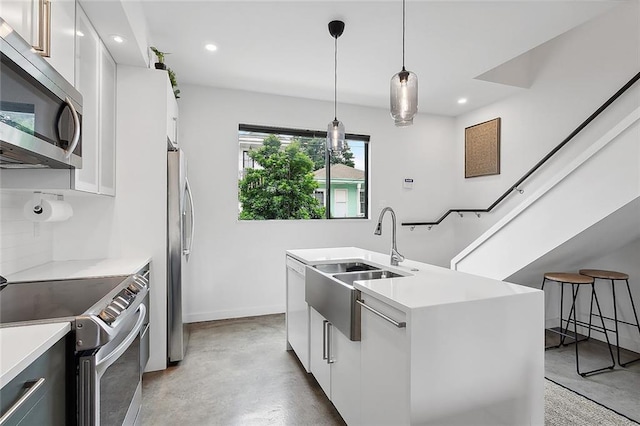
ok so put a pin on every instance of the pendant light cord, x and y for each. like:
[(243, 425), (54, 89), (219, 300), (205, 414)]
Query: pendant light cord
[(335, 81), (403, 18)]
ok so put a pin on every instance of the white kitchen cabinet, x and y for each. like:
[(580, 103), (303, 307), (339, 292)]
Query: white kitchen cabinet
[(319, 362), (24, 16), (172, 117), (335, 364), (450, 364), (297, 312), (87, 82), (96, 80), (385, 366), (107, 124), (63, 37)]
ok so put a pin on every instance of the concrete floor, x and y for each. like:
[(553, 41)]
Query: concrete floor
[(617, 389), (236, 372)]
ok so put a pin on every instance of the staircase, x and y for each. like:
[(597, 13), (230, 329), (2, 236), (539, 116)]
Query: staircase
[(589, 206)]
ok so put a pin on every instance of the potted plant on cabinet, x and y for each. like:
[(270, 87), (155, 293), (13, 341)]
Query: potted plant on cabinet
[(160, 55)]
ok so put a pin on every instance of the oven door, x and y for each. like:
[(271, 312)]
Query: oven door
[(110, 378)]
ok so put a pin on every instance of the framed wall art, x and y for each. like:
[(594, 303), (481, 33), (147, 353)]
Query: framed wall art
[(482, 149)]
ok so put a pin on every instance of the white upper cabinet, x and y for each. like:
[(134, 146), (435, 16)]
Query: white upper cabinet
[(49, 26), (172, 116), (87, 82), (63, 37), (96, 80), (107, 177)]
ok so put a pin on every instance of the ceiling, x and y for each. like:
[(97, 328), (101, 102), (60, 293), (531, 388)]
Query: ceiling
[(284, 47)]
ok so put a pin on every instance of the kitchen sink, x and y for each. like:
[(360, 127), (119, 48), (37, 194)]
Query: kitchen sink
[(332, 268), (329, 290), (349, 278)]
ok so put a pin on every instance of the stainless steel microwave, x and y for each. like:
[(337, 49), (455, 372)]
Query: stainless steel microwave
[(40, 112)]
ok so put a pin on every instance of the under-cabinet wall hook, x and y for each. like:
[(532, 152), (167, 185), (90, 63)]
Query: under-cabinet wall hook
[(412, 228), (520, 191), (429, 227), (461, 215), (477, 214)]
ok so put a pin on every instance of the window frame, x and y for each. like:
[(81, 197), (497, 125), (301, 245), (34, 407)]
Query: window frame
[(305, 133)]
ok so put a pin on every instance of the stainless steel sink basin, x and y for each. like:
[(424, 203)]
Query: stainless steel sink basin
[(349, 278), (330, 291), (333, 268)]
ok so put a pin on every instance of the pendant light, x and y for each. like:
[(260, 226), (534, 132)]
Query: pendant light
[(404, 91), (335, 130)]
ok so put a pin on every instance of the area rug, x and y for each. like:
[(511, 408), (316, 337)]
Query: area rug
[(563, 407)]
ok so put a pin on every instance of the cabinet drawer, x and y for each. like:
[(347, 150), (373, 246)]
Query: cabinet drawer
[(45, 380)]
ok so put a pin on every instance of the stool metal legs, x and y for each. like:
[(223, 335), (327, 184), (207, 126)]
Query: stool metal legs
[(615, 320), (564, 332)]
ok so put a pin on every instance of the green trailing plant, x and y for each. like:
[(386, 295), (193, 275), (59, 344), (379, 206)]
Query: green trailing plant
[(174, 83)]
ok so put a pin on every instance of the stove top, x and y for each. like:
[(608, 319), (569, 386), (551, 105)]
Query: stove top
[(40, 301)]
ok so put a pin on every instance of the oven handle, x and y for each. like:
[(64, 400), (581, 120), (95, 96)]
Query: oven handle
[(112, 357)]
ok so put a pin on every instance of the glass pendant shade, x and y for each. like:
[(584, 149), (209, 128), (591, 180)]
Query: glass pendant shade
[(335, 135), (404, 97)]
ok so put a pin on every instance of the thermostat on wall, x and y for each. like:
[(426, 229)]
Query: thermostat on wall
[(408, 183)]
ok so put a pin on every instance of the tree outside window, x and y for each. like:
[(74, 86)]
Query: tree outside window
[(289, 178)]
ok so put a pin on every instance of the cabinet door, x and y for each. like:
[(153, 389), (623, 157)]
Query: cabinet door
[(45, 382), (345, 376), (87, 69), (63, 32), (22, 16), (107, 141), (385, 367), (318, 351), (172, 116), (297, 312)]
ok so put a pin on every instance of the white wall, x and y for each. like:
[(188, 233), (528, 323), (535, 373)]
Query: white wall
[(573, 75), (237, 267), (23, 244)]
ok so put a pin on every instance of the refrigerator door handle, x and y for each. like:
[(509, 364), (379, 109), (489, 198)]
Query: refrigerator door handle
[(187, 250)]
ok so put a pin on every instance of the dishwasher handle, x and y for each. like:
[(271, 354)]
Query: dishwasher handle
[(381, 315)]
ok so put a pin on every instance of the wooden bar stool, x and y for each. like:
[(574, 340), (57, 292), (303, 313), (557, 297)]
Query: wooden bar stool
[(614, 276), (576, 281)]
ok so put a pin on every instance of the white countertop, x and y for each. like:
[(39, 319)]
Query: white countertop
[(20, 346), (424, 285), (70, 269)]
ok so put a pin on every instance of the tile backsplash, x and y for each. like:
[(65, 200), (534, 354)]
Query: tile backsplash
[(23, 244)]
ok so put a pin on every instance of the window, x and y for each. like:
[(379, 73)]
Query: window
[(247, 161), (283, 175)]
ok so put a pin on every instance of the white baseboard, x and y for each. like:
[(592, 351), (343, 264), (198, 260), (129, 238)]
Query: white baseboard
[(234, 313)]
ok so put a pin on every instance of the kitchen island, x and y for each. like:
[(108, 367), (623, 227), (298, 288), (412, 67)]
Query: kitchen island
[(437, 346)]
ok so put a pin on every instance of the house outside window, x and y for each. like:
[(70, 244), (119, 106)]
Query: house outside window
[(340, 193)]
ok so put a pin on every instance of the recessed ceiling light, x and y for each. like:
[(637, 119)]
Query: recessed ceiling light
[(462, 101), (117, 39), (79, 33), (211, 47)]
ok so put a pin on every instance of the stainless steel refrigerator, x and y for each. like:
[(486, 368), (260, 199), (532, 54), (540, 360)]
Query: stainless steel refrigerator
[(180, 227)]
